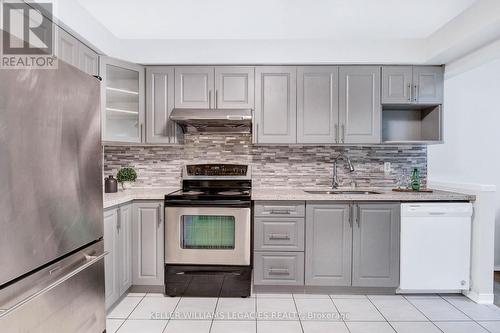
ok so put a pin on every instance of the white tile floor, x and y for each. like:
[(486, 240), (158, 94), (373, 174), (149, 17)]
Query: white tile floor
[(262, 313)]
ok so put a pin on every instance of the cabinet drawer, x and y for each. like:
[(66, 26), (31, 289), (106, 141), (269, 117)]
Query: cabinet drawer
[(280, 208), (281, 234), (279, 268)]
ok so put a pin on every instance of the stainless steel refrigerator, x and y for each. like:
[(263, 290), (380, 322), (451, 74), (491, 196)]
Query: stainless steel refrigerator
[(51, 248)]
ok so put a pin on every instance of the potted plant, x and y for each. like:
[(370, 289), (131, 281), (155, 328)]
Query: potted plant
[(126, 176)]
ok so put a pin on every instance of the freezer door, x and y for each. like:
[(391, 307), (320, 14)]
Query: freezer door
[(65, 297), (50, 166)]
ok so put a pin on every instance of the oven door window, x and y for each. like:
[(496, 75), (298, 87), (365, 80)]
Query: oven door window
[(207, 232)]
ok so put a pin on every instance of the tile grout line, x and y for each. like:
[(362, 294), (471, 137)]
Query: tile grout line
[(135, 307), (336, 308), (423, 314), (464, 313), (369, 300), (298, 314), (173, 311), (213, 314)]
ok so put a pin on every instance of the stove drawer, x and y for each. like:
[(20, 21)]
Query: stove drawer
[(279, 268), (280, 208), (279, 234)]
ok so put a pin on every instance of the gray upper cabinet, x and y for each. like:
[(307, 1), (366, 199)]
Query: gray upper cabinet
[(328, 244), (375, 257), (275, 105), (397, 84), (194, 87), (412, 85), (317, 104), (159, 105), (234, 87), (428, 84), (67, 47), (359, 104), (88, 59)]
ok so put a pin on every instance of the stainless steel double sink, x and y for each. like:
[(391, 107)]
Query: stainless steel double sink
[(343, 192)]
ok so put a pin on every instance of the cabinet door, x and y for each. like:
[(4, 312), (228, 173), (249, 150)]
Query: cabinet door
[(234, 87), (147, 238), (111, 261), (67, 47), (275, 105), (122, 99), (397, 84), (125, 248), (428, 84), (376, 245), (328, 244), (89, 60), (359, 104), (159, 105), (194, 87), (317, 104)]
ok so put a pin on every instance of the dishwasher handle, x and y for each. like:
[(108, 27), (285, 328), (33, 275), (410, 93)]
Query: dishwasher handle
[(444, 209)]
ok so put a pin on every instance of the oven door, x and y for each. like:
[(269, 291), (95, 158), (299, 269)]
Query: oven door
[(207, 236)]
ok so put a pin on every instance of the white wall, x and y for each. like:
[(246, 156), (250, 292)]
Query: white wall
[(471, 153)]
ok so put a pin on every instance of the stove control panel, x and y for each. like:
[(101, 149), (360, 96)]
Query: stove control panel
[(219, 170)]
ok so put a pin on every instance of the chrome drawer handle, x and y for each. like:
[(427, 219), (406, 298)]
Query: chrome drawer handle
[(279, 271), (280, 211), (279, 237)]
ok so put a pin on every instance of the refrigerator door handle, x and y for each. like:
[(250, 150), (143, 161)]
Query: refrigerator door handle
[(89, 261)]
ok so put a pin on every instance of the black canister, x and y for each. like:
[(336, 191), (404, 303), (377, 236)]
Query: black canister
[(110, 185)]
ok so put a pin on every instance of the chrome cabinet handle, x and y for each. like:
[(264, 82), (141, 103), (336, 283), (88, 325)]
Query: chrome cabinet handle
[(279, 237), (159, 215), (416, 93), (351, 213), (279, 271), (141, 134), (257, 133), (343, 133), (336, 133), (409, 92), (358, 213), (210, 99), (278, 211), (216, 98), (118, 219)]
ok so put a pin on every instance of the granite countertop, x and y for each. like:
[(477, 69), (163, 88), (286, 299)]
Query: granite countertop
[(142, 193), (158, 193), (385, 195)]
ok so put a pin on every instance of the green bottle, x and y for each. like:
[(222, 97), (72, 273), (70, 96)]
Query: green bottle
[(415, 180)]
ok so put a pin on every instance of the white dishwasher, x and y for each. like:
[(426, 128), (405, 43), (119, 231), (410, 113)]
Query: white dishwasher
[(435, 247)]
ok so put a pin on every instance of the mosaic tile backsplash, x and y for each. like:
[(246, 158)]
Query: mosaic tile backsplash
[(272, 166)]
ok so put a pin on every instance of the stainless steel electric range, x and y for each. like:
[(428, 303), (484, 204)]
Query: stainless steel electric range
[(208, 232)]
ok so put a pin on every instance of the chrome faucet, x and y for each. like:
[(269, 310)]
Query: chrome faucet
[(335, 182)]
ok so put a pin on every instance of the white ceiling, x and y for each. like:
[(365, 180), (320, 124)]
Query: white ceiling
[(274, 19)]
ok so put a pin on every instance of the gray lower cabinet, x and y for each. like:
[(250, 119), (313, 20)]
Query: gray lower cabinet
[(147, 243), (375, 257), (278, 234), (328, 244), (275, 105), (318, 104), (279, 268), (359, 104), (353, 244), (159, 105), (118, 244)]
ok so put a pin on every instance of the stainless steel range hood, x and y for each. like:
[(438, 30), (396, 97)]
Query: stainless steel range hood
[(213, 120)]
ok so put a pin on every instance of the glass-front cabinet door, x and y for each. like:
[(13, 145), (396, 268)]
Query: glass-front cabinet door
[(122, 98)]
